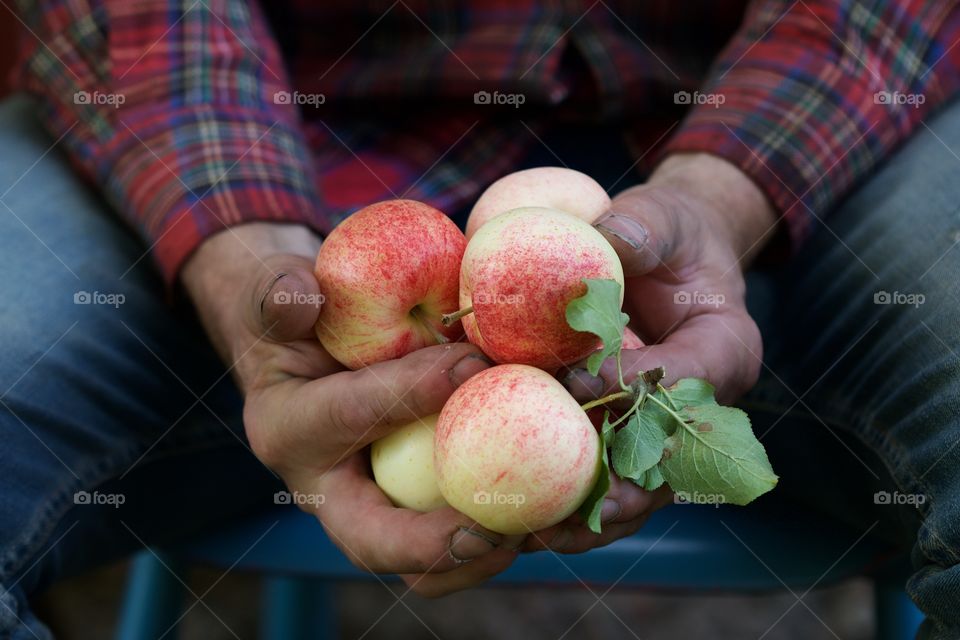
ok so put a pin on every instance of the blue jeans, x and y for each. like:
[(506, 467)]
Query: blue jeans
[(120, 427)]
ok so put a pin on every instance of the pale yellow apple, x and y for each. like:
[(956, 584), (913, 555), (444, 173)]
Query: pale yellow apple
[(403, 466), (555, 187)]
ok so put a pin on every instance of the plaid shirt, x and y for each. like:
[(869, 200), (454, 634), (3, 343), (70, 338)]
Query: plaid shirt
[(193, 116)]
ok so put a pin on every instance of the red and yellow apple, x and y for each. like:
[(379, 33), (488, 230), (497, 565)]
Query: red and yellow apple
[(402, 465), (553, 187), (388, 273), (519, 272), (514, 450)]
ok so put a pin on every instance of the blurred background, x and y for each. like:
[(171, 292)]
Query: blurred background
[(85, 608)]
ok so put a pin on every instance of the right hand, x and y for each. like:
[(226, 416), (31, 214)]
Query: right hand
[(684, 239), (309, 420)]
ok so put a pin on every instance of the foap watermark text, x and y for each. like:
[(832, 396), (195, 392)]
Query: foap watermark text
[(98, 297), (485, 497)]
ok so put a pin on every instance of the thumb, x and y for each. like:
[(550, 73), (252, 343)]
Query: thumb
[(350, 409), (317, 424), (726, 350), (285, 300), (643, 227)]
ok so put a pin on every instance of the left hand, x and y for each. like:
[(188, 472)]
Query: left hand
[(684, 235)]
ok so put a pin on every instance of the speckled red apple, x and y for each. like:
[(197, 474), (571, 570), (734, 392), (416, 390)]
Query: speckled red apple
[(388, 273), (514, 450), (519, 272), (554, 187)]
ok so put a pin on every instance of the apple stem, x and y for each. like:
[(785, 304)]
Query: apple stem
[(605, 399), (418, 315), (449, 318)]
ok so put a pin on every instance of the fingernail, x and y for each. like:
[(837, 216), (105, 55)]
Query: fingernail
[(561, 540), (609, 511), (623, 227), (582, 385), (467, 544), (270, 285), (468, 366)]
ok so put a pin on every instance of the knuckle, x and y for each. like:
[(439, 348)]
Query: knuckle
[(340, 418), (353, 414), (424, 384), (414, 401), (350, 421), (432, 556)]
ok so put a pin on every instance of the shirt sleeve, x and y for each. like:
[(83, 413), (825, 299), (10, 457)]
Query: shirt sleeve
[(810, 96), (179, 112)]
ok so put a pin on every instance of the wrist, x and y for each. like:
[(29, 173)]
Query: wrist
[(736, 208), (219, 275)]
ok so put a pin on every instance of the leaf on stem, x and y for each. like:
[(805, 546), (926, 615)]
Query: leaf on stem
[(638, 446), (687, 392), (651, 479), (715, 453), (591, 507), (598, 312)]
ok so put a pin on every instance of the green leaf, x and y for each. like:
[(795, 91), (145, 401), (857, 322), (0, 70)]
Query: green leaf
[(651, 479), (684, 393), (691, 391), (591, 507), (598, 312), (607, 433), (638, 446), (715, 455)]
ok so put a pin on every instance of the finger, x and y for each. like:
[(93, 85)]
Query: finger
[(433, 585), (624, 502), (381, 538), (365, 405), (320, 422), (573, 536), (285, 300), (644, 228), (723, 348)]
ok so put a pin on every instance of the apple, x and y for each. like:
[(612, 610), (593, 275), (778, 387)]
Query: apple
[(519, 272), (388, 273), (514, 450), (554, 187), (403, 466)]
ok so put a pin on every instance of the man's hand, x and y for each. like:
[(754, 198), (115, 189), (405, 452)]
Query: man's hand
[(309, 420), (682, 238)]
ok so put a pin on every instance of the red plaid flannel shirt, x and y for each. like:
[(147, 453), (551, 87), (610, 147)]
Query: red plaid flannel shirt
[(193, 116)]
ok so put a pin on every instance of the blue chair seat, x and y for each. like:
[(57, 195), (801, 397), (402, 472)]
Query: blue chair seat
[(682, 546), (769, 545)]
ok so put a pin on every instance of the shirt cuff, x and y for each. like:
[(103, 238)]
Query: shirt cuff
[(185, 176)]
